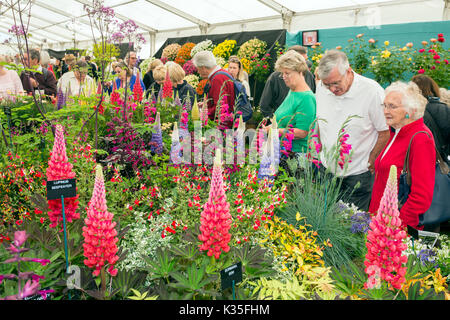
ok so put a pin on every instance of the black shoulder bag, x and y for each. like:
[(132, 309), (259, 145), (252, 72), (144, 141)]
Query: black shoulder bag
[(439, 210)]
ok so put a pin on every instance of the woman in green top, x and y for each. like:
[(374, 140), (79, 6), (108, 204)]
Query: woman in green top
[(299, 107)]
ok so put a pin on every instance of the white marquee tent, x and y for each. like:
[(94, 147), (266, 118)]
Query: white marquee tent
[(62, 24)]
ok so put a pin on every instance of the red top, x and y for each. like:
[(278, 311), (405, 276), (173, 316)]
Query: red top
[(422, 159), (215, 92)]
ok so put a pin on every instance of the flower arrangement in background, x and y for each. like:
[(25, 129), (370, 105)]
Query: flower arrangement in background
[(201, 86), (260, 67), (225, 49), (189, 67), (433, 60), (245, 65), (184, 54), (192, 79), (252, 47), (170, 52), (145, 64), (206, 45), (390, 63), (316, 54), (358, 53), (221, 62)]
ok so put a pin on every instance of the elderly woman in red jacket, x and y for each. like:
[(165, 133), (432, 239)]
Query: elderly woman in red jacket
[(404, 107)]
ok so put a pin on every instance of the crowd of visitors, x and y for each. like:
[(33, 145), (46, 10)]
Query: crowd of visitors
[(380, 124)]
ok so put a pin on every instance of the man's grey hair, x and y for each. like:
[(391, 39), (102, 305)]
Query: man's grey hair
[(44, 58), (412, 99), (204, 59), (35, 54), (330, 60), (300, 49)]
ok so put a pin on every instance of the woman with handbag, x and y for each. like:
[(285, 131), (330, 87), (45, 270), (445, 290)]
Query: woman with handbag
[(404, 107)]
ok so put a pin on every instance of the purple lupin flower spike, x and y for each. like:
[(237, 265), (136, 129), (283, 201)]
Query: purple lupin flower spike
[(61, 99)]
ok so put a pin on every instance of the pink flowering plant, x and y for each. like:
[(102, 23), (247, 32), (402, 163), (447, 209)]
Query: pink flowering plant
[(433, 60), (385, 260), (27, 281)]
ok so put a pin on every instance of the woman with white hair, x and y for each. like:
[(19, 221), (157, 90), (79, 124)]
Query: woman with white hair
[(404, 107)]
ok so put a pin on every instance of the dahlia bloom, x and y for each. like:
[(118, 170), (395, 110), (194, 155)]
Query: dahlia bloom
[(59, 168), (385, 258), (100, 237), (216, 219)]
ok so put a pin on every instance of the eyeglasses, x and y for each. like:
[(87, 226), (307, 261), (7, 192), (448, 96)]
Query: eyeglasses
[(334, 84), (389, 106)]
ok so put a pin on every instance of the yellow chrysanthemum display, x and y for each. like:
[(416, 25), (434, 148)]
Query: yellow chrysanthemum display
[(252, 48), (225, 49), (246, 64)]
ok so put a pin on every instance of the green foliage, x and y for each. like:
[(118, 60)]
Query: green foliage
[(433, 60), (317, 201), (141, 296), (358, 52), (390, 64), (272, 289), (126, 281)]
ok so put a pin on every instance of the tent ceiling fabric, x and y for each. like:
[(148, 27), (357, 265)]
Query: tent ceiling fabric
[(57, 22)]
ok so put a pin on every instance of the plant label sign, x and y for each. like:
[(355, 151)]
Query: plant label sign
[(58, 188), (230, 274)]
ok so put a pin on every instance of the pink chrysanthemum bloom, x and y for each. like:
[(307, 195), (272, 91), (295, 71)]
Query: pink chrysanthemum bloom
[(100, 237), (385, 239), (59, 168), (216, 219)]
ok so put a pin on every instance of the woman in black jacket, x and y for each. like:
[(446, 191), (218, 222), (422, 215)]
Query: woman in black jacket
[(437, 114)]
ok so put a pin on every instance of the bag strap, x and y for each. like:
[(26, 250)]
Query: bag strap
[(442, 164), (221, 72)]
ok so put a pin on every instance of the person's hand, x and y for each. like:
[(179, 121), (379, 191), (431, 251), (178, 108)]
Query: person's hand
[(34, 83), (370, 165)]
